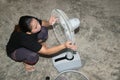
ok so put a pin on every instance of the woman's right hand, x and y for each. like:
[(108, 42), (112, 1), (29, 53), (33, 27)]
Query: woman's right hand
[(69, 44), (52, 20)]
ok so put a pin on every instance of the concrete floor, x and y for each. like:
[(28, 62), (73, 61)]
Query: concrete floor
[(98, 39)]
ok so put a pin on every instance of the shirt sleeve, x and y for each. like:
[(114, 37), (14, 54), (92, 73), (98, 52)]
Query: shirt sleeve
[(30, 43)]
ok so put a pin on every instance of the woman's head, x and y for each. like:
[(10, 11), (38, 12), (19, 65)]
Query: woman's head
[(29, 24)]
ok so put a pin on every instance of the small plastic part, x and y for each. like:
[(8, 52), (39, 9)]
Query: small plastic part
[(47, 78)]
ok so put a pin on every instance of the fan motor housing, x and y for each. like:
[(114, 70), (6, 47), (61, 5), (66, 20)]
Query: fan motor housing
[(75, 22)]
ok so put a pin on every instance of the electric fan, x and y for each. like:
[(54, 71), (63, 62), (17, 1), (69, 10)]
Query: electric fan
[(64, 31)]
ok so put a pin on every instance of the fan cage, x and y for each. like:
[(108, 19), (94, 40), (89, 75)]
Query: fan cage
[(71, 75), (63, 22)]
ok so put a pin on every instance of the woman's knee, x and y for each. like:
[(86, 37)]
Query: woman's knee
[(32, 59)]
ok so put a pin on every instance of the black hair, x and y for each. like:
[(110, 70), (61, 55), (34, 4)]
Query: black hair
[(24, 23)]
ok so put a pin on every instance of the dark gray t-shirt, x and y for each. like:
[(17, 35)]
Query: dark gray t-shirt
[(20, 39)]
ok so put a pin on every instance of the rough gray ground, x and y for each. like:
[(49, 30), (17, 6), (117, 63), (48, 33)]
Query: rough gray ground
[(98, 39)]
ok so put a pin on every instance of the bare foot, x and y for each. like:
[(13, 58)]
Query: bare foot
[(29, 68)]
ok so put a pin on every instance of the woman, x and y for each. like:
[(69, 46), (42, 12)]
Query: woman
[(26, 41)]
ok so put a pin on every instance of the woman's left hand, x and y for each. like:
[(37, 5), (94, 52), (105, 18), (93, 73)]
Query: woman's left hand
[(52, 20)]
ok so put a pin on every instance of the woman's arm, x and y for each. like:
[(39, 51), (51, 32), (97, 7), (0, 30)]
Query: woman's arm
[(45, 23), (50, 51), (55, 49)]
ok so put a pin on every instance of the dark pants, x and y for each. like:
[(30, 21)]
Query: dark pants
[(25, 55)]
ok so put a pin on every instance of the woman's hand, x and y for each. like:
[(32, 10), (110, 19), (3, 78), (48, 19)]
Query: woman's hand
[(52, 20), (69, 44)]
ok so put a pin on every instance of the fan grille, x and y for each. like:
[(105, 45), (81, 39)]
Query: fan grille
[(59, 33), (71, 75)]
